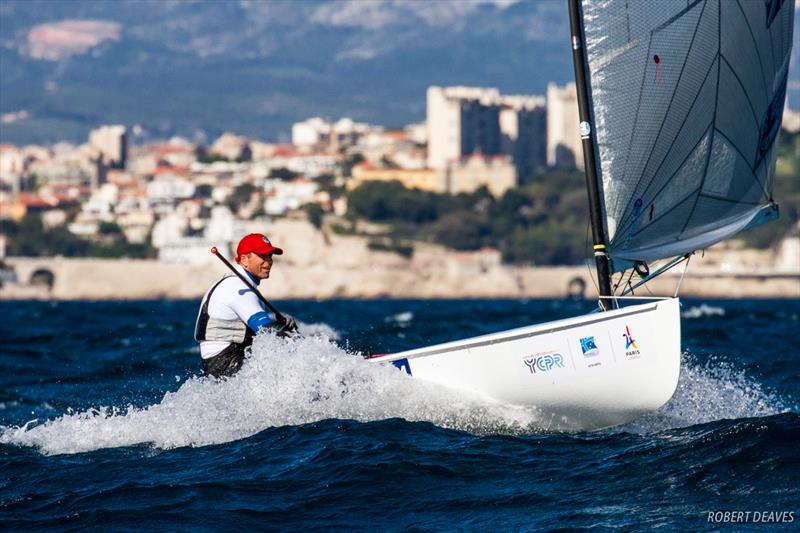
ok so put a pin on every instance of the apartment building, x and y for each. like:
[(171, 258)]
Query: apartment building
[(564, 149), (469, 120)]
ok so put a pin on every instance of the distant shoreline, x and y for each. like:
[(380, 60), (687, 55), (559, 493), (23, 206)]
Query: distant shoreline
[(452, 276)]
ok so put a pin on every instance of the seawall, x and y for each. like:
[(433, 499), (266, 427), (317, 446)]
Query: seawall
[(318, 266)]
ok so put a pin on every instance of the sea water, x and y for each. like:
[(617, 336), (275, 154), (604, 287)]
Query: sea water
[(105, 422)]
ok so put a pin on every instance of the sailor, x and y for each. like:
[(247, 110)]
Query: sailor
[(231, 313)]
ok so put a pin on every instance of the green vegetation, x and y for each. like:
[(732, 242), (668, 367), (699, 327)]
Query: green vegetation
[(109, 228), (351, 161), (283, 174), (203, 191), (315, 213), (203, 156), (543, 223), (206, 157), (30, 238), (328, 183), (391, 245), (240, 196)]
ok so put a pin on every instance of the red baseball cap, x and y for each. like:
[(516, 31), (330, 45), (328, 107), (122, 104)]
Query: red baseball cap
[(256, 243)]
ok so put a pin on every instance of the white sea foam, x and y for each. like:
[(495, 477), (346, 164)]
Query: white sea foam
[(401, 319), (285, 382), (299, 381), (318, 330), (702, 310), (714, 391)]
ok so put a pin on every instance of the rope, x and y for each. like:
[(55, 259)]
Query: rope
[(685, 268)]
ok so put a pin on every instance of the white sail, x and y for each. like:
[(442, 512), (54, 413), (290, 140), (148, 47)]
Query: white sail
[(686, 100)]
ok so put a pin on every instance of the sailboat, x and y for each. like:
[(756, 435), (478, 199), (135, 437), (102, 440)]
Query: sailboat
[(680, 103)]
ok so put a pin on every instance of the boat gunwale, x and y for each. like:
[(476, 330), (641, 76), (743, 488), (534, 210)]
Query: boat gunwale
[(519, 333)]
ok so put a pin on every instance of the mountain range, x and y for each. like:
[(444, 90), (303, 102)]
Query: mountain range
[(199, 67)]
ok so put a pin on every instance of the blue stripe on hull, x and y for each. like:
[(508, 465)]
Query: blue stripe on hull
[(403, 365)]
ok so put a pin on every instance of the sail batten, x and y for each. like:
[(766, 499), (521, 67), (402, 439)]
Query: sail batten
[(686, 101)]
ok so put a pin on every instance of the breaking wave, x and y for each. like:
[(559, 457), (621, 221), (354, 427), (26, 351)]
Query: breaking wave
[(285, 382), (702, 310), (290, 382), (714, 391)]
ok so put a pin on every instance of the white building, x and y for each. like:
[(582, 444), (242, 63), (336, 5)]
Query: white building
[(791, 120), (466, 120), (461, 120), (232, 147), (282, 196), (169, 228), (311, 132), (394, 148), (111, 143), (312, 166), (12, 165), (136, 225), (169, 188), (319, 133), (523, 123), (496, 173), (564, 149), (222, 227), (417, 133), (102, 201)]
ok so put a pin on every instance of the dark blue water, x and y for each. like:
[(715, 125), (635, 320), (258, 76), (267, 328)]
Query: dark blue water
[(104, 424)]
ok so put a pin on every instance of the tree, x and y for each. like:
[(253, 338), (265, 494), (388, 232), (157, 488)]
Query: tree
[(314, 212), (241, 195), (383, 201), (351, 161), (462, 230), (327, 183), (203, 191), (203, 156), (283, 174), (109, 228)]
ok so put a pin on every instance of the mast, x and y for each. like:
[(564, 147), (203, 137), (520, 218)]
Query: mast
[(592, 185)]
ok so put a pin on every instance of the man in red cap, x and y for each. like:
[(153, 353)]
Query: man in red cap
[(231, 313)]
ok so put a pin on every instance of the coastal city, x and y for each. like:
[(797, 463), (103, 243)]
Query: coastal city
[(171, 201), (180, 197)]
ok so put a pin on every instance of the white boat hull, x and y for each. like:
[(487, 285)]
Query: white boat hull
[(583, 373)]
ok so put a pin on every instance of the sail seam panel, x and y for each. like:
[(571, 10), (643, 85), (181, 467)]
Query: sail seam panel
[(666, 114), (755, 47), (772, 50), (636, 125), (670, 248), (789, 32), (713, 131), (665, 213), (671, 101), (728, 200), (669, 152), (676, 16), (636, 122), (636, 119), (621, 230), (627, 21), (749, 165), (744, 91)]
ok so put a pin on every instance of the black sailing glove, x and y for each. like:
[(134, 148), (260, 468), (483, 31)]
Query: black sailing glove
[(288, 324), (284, 326)]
